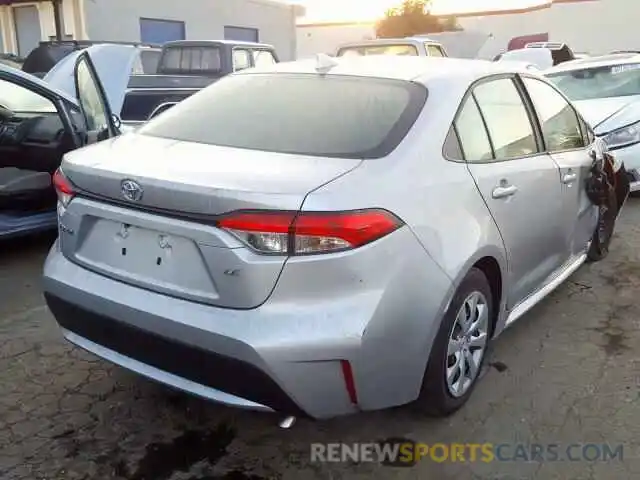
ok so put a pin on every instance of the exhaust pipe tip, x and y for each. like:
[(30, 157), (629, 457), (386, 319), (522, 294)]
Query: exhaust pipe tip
[(287, 422)]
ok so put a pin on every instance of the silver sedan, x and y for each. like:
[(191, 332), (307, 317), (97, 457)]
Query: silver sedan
[(326, 237)]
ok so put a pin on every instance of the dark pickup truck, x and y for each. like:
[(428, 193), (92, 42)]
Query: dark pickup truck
[(184, 68)]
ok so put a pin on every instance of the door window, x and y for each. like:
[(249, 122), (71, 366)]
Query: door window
[(92, 101), (263, 58), (434, 50), (558, 120), (507, 120), (241, 59), (474, 141), (20, 99)]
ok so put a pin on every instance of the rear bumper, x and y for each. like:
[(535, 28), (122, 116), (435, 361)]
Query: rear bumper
[(283, 356), (168, 361)]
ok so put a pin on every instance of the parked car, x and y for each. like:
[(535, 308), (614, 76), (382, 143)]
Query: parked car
[(324, 256), (606, 91), (40, 121), (185, 67), (411, 46), (47, 54)]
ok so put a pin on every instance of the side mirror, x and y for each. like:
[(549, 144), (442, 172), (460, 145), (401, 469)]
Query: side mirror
[(163, 107), (116, 121)]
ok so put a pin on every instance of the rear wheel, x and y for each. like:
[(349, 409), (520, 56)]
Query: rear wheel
[(460, 348)]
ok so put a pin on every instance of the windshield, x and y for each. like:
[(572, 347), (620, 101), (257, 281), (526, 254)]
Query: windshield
[(358, 51), (599, 82), (305, 114), (19, 99)]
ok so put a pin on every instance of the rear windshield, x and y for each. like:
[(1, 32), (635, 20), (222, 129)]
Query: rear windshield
[(359, 51), (330, 116), (191, 59)]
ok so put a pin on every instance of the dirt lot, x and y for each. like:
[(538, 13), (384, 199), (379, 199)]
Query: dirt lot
[(567, 373)]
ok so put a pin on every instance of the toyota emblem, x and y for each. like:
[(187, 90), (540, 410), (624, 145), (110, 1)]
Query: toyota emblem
[(131, 190)]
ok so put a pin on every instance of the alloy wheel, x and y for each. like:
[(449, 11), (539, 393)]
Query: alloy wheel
[(467, 344)]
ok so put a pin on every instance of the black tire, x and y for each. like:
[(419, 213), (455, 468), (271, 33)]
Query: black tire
[(435, 398), (603, 233)]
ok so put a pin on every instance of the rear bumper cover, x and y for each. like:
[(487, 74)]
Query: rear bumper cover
[(211, 370), (283, 356)]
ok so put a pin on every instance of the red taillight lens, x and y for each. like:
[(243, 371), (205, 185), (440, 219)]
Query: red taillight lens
[(63, 187), (309, 232)]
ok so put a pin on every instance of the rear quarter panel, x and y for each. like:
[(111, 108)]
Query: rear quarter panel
[(435, 197)]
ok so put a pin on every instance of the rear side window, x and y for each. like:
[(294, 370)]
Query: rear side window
[(434, 50), (507, 120), (472, 133), (330, 116)]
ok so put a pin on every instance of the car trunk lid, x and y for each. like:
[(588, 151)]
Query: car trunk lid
[(167, 240)]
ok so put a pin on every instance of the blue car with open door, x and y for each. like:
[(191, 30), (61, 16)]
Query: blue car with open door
[(41, 120)]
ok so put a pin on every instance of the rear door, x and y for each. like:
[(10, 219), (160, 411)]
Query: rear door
[(567, 141), (519, 184)]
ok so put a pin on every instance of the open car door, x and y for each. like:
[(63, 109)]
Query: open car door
[(100, 122), (98, 77)]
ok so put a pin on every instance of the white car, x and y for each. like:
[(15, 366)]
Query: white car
[(606, 91)]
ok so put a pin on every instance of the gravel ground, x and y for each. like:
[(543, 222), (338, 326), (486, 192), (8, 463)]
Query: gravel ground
[(567, 373)]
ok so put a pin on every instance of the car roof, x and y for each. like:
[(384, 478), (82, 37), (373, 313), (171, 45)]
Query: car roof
[(203, 43), (409, 68), (592, 62)]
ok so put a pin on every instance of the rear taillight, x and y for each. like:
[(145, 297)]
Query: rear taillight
[(64, 188), (293, 233)]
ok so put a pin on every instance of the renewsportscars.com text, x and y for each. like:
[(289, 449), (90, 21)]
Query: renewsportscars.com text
[(407, 453)]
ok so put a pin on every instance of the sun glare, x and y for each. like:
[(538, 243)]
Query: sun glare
[(366, 10)]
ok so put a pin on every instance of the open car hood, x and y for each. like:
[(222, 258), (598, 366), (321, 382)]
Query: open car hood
[(608, 114), (113, 64)]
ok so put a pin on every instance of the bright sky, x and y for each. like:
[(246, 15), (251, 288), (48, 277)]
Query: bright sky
[(353, 10)]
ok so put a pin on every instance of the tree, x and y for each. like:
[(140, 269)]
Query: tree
[(413, 17)]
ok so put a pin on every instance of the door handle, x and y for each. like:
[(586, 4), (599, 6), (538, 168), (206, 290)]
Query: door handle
[(569, 178), (504, 191)]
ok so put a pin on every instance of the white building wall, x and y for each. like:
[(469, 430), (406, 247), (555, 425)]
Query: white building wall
[(204, 19), (595, 26)]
